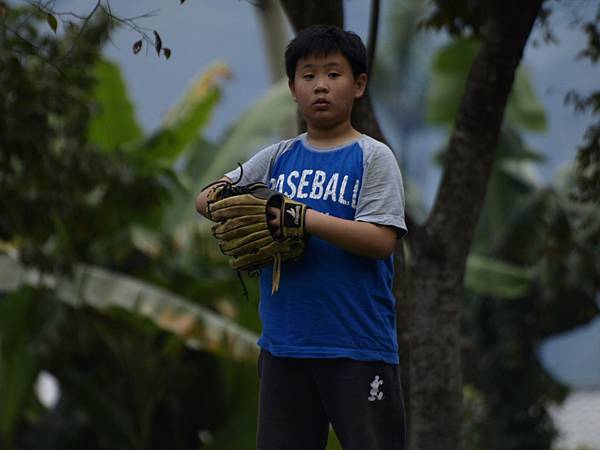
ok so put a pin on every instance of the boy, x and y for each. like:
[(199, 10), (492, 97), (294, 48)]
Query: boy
[(328, 346)]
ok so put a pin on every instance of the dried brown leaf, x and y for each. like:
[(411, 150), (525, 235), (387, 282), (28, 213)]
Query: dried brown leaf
[(137, 47)]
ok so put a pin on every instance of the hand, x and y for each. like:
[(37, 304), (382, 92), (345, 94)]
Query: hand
[(274, 215)]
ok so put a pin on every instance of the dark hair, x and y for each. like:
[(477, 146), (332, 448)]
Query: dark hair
[(323, 40)]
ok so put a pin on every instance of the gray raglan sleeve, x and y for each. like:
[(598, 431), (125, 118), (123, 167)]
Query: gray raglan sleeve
[(381, 198), (257, 168)]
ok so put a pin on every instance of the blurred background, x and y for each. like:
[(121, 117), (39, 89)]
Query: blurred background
[(121, 326)]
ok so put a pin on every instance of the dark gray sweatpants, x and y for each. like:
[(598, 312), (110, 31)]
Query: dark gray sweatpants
[(300, 397)]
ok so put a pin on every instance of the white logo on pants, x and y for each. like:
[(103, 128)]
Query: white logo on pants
[(375, 393)]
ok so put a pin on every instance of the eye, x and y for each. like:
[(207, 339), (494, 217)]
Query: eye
[(333, 74), (308, 76)]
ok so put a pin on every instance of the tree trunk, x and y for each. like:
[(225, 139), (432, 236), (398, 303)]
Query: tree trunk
[(272, 25), (430, 306), (303, 13)]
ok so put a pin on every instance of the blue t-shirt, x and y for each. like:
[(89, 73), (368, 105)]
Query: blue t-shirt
[(332, 303)]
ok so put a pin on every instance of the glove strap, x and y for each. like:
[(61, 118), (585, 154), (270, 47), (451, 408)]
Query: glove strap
[(276, 272), (293, 215)]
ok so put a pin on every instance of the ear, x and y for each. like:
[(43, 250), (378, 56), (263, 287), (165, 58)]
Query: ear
[(360, 85), (292, 88)]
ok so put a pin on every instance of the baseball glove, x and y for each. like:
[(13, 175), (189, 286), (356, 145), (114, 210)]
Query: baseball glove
[(243, 230)]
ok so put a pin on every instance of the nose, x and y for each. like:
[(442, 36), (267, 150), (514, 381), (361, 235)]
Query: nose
[(321, 85)]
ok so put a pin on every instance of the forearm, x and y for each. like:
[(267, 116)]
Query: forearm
[(361, 238)]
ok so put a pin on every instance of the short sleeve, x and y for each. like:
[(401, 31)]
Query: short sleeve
[(381, 199), (256, 169)]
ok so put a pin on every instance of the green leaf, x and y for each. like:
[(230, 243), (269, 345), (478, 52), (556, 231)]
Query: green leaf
[(52, 22), (18, 363), (259, 125), (184, 122), (511, 146), (116, 421), (488, 276), (114, 123), (523, 108), (445, 91), (512, 178), (257, 128), (451, 66), (101, 289), (145, 240), (182, 207), (17, 376)]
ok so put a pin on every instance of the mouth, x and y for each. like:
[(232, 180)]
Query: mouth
[(321, 104)]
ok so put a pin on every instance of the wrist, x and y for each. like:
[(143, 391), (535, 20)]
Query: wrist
[(311, 220), (292, 218)]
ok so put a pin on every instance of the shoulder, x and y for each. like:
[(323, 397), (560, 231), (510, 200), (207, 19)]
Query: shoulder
[(277, 149), (286, 144), (375, 152), (258, 167)]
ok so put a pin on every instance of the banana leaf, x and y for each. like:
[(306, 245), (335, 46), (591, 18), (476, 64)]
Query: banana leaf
[(183, 123), (114, 124), (268, 118), (200, 327), (488, 276)]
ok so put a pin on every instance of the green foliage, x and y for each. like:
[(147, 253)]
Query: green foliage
[(59, 192), (80, 184), (107, 196), (554, 239), (459, 18), (113, 124), (447, 86), (270, 115), (474, 413), (588, 157), (20, 325), (512, 177), (578, 448), (205, 162), (123, 382), (166, 145), (523, 106), (493, 277)]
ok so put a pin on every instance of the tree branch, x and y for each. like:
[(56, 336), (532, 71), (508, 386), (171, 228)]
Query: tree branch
[(105, 7), (302, 13), (373, 29), (38, 52)]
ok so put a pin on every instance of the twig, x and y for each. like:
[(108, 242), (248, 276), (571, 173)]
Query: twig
[(40, 52), (47, 7)]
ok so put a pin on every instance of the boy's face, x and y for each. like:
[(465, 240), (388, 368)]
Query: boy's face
[(325, 88)]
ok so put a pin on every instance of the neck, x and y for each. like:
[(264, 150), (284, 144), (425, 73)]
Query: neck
[(331, 137)]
